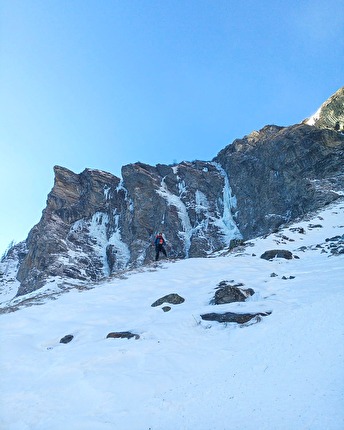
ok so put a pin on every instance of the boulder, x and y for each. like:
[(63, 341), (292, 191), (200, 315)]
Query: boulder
[(173, 299), (277, 253), (300, 230), (230, 317), (227, 293), (122, 335), (66, 339)]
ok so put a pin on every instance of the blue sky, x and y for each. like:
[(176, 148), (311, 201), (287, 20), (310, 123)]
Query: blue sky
[(101, 84)]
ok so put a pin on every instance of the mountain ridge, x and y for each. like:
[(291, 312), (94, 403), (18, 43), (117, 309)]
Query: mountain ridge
[(96, 224)]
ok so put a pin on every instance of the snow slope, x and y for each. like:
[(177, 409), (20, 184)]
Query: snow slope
[(286, 372)]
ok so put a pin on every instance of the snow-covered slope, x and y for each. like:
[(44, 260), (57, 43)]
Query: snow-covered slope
[(285, 372)]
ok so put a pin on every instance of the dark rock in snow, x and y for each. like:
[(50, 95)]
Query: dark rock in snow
[(227, 293), (66, 339), (122, 335), (333, 239), (302, 248), (335, 245), (300, 230), (230, 317), (338, 251), (173, 299), (166, 308), (277, 253)]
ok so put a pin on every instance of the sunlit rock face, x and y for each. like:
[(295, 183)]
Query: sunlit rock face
[(330, 114)]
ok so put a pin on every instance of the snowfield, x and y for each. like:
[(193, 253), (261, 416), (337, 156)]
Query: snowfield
[(285, 372)]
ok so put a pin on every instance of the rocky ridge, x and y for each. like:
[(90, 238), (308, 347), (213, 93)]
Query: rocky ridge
[(330, 114), (96, 225)]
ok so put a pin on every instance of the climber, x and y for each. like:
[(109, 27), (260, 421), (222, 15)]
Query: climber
[(159, 246)]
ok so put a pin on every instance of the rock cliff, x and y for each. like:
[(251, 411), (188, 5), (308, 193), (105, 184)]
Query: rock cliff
[(95, 224), (281, 173)]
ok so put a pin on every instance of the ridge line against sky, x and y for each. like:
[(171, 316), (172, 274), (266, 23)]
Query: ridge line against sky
[(86, 84)]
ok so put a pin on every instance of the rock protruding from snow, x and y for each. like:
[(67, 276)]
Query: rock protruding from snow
[(122, 335), (66, 339), (277, 253), (228, 293), (231, 317), (172, 299)]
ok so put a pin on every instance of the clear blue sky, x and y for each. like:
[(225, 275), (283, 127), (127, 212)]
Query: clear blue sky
[(101, 84)]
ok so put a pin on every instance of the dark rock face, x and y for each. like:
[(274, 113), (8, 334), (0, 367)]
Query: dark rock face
[(281, 173), (188, 202), (68, 240), (95, 224)]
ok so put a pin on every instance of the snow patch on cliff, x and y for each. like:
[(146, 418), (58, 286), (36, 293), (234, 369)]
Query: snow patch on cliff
[(314, 118)]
